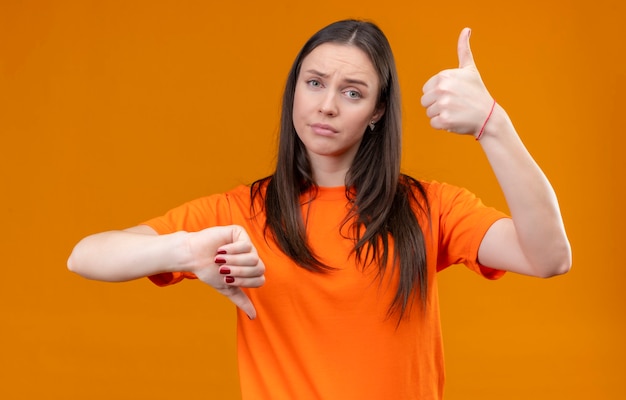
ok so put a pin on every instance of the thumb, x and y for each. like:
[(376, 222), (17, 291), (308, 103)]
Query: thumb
[(242, 301), (466, 59)]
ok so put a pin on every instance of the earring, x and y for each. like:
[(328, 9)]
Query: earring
[(372, 126)]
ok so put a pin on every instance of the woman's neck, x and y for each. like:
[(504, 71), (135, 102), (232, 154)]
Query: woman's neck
[(329, 171)]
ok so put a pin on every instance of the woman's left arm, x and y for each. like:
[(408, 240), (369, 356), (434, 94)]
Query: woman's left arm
[(534, 241)]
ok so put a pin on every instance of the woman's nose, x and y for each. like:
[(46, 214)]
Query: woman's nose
[(328, 105)]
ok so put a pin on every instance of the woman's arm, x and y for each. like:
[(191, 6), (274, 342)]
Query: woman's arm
[(117, 256), (534, 241), (222, 257)]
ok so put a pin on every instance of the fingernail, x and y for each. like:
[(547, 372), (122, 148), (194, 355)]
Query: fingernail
[(224, 270), (221, 252), (220, 260), (229, 279)]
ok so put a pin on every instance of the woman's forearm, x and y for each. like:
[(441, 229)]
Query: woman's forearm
[(531, 199), (117, 256)]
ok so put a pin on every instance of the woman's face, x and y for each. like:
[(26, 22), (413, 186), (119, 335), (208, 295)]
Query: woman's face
[(335, 99)]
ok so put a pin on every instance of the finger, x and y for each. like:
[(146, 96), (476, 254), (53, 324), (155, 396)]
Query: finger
[(248, 260), (254, 282), (439, 123), (433, 111), (466, 59), (430, 84), (428, 99), (242, 301), (238, 247), (242, 272)]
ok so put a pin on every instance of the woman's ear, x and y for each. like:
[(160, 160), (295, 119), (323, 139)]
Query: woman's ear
[(378, 113)]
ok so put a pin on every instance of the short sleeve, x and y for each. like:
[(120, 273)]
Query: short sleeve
[(463, 222), (170, 278), (192, 216)]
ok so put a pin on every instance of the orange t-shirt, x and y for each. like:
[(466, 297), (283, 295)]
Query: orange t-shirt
[(327, 336)]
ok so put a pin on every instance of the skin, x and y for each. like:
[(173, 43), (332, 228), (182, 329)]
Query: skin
[(534, 241), (331, 122), (335, 100)]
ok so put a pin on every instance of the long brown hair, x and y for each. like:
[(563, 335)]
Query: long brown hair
[(383, 201)]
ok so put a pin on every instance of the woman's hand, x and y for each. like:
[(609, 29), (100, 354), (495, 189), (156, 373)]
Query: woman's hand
[(224, 258), (457, 100)]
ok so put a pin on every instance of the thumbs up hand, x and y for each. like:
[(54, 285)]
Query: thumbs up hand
[(456, 99)]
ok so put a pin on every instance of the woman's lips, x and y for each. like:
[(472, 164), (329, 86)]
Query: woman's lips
[(323, 129)]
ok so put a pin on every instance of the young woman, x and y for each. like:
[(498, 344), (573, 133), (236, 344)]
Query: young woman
[(332, 260)]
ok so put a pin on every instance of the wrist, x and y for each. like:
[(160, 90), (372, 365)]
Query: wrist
[(484, 125), (498, 125), (180, 249)]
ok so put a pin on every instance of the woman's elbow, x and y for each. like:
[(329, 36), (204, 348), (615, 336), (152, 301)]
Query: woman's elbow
[(560, 263), (82, 258), (74, 265)]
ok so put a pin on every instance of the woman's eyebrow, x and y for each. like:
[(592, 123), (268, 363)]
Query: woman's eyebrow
[(348, 80), (357, 82)]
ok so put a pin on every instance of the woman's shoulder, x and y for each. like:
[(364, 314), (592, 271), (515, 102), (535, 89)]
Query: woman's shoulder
[(426, 187), (239, 194), (241, 191), (436, 191)]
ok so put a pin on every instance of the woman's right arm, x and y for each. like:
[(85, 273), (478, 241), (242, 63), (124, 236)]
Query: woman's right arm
[(137, 252), (221, 256)]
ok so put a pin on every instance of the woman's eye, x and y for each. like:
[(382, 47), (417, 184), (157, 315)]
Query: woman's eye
[(353, 94), (314, 83)]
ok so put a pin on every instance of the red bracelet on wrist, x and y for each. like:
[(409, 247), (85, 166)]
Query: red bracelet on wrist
[(487, 120)]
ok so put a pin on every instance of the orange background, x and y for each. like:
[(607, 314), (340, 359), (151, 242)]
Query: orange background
[(112, 112)]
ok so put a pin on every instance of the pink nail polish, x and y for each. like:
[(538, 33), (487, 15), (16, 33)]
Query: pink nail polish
[(229, 279), (220, 260), (224, 270)]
